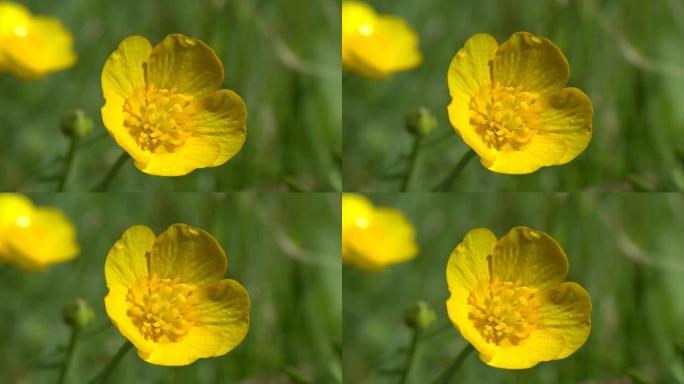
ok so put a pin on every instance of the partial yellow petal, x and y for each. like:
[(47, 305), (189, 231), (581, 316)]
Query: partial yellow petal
[(470, 70), (189, 254), (185, 64), (541, 345), (14, 19), (124, 70), (12, 207), (223, 120), (543, 150), (566, 312), (530, 257), (222, 324), (468, 264), (355, 207), (127, 262), (357, 17), (531, 62), (196, 152), (459, 116), (567, 118), (458, 311)]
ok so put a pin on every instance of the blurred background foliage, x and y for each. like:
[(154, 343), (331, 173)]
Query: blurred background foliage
[(286, 256), (625, 54), (281, 56), (625, 249)]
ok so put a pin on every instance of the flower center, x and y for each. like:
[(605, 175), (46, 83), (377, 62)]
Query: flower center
[(504, 117), (162, 308), (505, 312), (159, 118)]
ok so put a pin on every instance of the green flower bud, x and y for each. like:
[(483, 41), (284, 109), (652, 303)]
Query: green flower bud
[(420, 317), (420, 122), (78, 314), (76, 124)]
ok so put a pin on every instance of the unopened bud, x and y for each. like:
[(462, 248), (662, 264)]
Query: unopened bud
[(420, 317), (78, 314), (76, 124), (420, 122)]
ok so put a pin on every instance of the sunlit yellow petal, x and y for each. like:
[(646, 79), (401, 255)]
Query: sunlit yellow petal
[(355, 208), (357, 17), (468, 264), (566, 312), (541, 345), (14, 19), (222, 121), (531, 257), (188, 254), (531, 62), (470, 68), (127, 261), (542, 150), (185, 64), (196, 152), (566, 118)]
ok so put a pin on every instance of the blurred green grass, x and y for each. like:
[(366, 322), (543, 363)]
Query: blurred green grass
[(625, 54), (286, 257), (281, 56), (625, 249)]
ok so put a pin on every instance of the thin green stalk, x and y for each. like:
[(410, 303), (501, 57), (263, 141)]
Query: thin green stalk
[(103, 185), (67, 164), (411, 356), (445, 185), (69, 355), (445, 378), (412, 163), (106, 372)]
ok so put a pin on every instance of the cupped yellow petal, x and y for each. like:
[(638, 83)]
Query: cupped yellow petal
[(223, 120), (541, 345), (470, 70), (530, 257), (566, 117), (459, 117), (188, 254), (185, 64), (123, 75), (127, 261), (532, 63), (196, 152), (468, 264), (565, 311), (542, 150), (222, 324)]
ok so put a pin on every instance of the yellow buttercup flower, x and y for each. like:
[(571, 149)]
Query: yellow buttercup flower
[(509, 298), (34, 238), (511, 106), (373, 238), (164, 105), (376, 45), (32, 46), (168, 297)]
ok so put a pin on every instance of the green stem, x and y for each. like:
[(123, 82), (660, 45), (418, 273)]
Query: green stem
[(445, 185), (103, 185), (411, 356), (445, 378), (104, 375), (69, 355), (67, 164), (412, 163)]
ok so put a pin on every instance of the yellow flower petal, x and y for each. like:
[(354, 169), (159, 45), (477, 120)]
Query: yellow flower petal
[(189, 254), (223, 324), (354, 207), (196, 152), (185, 64), (470, 70), (222, 121), (13, 206), (531, 62), (566, 118), (566, 312), (357, 17), (540, 346), (122, 74), (530, 257), (541, 151), (468, 264)]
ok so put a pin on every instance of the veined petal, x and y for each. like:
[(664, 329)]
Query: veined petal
[(468, 264), (459, 116), (566, 118), (185, 64), (124, 70), (128, 260), (457, 310), (196, 152), (566, 313), (222, 324), (541, 151), (540, 346), (470, 70), (113, 119), (189, 254), (223, 120), (530, 257), (531, 62)]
